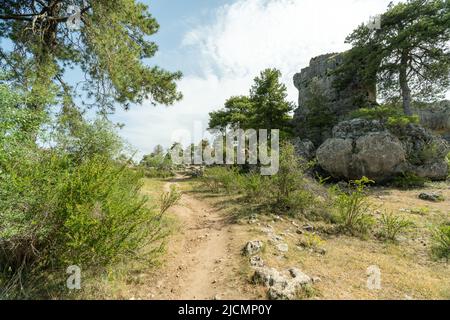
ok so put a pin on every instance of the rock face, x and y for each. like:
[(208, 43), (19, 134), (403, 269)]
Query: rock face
[(367, 148), (337, 102), (304, 148), (435, 116)]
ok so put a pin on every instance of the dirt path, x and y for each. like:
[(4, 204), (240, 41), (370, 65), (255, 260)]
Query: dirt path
[(201, 262)]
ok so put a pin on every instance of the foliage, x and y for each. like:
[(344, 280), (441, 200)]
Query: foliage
[(388, 114), (157, 164), (403, 121), (393, 225), (353, 208), (420, 211), (409, 54), (448, 163), (265, 107), (169, 199), (222, 179), (254, 187), (287, 191), (311, 240), (110, 48), (441, 242), (409, 180), (68, 203), (430, 151)]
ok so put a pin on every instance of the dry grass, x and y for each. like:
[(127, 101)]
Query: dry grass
[(407, 269)]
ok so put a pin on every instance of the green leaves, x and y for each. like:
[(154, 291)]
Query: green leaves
[(111, 49), (265, 107), (409, 54)]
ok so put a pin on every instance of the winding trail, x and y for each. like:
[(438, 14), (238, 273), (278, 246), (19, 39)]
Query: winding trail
[(201, 262)]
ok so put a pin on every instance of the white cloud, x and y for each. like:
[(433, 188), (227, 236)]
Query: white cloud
[(246, 37)]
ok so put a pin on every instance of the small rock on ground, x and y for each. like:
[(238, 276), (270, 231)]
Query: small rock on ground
[(431, 196), (253, 247)]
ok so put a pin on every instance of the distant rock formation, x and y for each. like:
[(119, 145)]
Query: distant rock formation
[(338, 103)]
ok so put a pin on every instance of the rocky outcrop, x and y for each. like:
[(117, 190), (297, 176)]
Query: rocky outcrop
[(435, 116), (305, 149), (318, 78), (367, 148)]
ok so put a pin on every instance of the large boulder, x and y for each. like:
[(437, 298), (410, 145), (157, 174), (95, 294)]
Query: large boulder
[(368, 148)]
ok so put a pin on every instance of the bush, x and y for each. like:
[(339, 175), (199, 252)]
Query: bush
[(158, 173), (353, 208), (68, 203), (254, 187), (409, 180), (311, 241), (441, 242), (222, 179), (392, 225), (287, 191), (168, 199), (288, 186), (448, 163), (157, 166), (390, 115)]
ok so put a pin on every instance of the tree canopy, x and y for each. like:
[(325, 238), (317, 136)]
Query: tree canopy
[(110, 48), (409, 56), (266, 107)]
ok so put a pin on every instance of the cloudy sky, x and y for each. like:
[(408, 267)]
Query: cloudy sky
[(220, 46)]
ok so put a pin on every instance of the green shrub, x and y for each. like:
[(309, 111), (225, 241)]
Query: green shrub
[(353, 208), (311, 241), (168, 199), (254, 187), (409, 180), (289, 186), (381, 113), (157, 166), (402, 121), (441, 242), (222, 179), (287, 191), (391, 226), (429, 153), (390, 115), (66, 201), (158, 173)]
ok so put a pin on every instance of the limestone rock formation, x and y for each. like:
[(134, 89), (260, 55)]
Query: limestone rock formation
[(435, 116), (366, 148), (335, 103)]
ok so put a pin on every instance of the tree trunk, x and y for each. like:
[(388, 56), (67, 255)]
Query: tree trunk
[(405, 90)]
